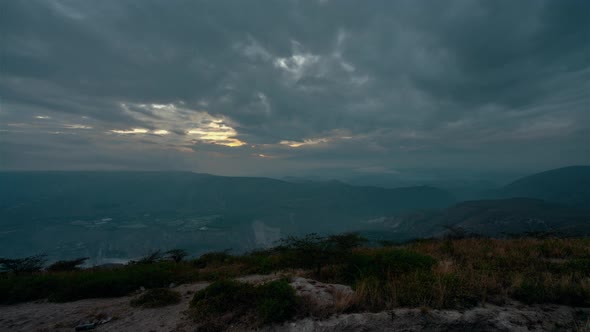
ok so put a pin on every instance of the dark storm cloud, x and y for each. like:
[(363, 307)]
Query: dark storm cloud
[(280, 85)]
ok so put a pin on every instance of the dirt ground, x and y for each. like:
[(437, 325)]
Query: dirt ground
[(46, 316), (513, 317)]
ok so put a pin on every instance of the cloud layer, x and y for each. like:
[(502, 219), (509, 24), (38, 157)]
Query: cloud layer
[(237, 87)]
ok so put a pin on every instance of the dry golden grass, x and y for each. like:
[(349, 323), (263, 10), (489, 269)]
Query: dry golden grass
[(430, 273), (471, 271)]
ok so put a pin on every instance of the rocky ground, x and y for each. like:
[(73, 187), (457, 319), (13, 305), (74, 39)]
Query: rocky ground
[(513, 317), (117, 315)]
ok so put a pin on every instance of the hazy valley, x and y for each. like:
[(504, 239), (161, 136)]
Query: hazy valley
[(117, 216)]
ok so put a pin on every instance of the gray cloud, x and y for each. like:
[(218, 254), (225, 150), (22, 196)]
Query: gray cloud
[(255, 87)]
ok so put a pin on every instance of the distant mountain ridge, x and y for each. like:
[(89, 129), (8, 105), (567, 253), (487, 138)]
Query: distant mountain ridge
[(159, 192), (567, 185), (127, 213), (554, 201), (502, 217)]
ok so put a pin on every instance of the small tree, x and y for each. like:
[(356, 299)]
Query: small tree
[(150, 258), (67, 265), (315, 251), (23, 265), (177, 255), (310, 251), (346, 241)]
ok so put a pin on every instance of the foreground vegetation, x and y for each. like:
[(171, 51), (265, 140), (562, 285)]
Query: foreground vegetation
[(443, 273), (228, 302)]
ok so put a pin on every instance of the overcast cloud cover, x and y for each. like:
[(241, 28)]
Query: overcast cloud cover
[(283, 87)]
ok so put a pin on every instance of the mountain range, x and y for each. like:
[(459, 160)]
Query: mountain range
[(112, 216)]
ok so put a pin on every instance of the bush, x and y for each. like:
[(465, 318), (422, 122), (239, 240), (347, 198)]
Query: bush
[(581, 265), (23, 265), (14, 289), (544, 290), (385, 262), (262, 262), (156, 297), (233, 302), (70, 286), (113, 283), (277, 302), (212, 258), (70, 265)]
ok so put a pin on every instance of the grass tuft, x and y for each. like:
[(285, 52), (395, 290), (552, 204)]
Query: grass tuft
[(156, 297)]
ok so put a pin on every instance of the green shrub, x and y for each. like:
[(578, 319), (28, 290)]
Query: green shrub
[(113, 283), (277, 301), (244, 304), (75, 285), (536, 290), (384, 262), (220, 297), (156, 297), (581, 265), (14, 289), (260, 262)]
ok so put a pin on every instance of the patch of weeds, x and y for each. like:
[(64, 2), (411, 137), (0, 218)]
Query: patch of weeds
[(382, 263), (581, 265), (430, 289), (565, 292), (91, 283), (156, 297), (96, 284), (261, 262)]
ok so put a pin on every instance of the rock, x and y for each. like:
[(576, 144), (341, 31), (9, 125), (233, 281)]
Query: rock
[(106, 320), (322, 295), (86, 327), (486, 318), (172, 285)]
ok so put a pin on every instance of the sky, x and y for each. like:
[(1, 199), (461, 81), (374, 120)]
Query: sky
[(276, 88)]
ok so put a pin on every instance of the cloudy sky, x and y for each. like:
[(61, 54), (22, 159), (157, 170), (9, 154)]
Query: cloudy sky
[(284, 87)]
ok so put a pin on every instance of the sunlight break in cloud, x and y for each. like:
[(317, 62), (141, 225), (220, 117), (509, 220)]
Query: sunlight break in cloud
[(170, 118), (311, 141), (217, 132), (76, 126), (161, 132), (130, 131)]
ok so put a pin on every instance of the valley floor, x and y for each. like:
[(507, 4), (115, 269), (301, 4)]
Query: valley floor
[(46, 316)]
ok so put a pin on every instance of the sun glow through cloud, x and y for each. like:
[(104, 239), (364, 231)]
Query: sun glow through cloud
[(173, 119), (217, 132), (77, 126), (297, 144), (130, 131)]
